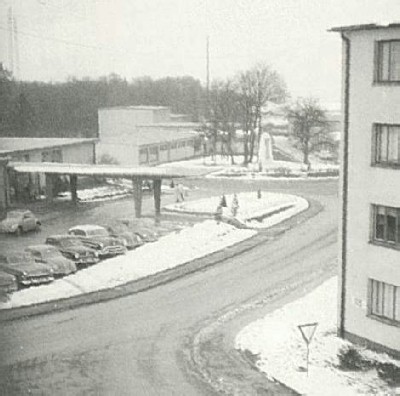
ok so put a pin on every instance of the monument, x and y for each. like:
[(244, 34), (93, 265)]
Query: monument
[(265, 155)]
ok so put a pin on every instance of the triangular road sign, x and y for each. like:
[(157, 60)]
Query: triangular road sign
[(307, 331)]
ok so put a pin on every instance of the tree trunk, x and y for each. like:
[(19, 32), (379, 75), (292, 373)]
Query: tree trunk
[(305, 154)]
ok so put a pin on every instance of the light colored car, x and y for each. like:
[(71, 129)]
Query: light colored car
[(51, 257), (19, 221), (97, 237)]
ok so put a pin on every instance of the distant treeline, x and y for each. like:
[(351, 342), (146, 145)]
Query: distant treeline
[(69, 109)]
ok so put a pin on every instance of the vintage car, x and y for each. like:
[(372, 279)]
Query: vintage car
[(51, 257), (8, 284), (25, 269), (121, 231), (96, 237), (146, 234), (72, 248), (19, 221)]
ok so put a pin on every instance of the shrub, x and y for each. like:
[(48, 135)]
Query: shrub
[(389, 373), (350, 358)]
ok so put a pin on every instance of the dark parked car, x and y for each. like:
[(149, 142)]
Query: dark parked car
[(72, 248), (51, 257), (8, 284), (19, 221), (25, 269), (145, 234), (121, 231), (97, 237)]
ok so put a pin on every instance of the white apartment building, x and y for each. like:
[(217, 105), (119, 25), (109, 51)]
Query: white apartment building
[(369, 287)]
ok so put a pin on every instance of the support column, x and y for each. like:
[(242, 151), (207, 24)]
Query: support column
[(137, 196), (157, 195), (73, 185), (49, 187)]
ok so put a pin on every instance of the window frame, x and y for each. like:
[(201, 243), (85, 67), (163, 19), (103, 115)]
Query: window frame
[(378, 64), (377, 288), (385, 241), (376, 146)]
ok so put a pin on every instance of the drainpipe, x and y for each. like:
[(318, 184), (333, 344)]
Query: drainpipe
[(346, 40)]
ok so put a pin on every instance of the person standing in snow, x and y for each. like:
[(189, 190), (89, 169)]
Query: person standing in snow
[(235, 205), (181, 191), (177, 193)]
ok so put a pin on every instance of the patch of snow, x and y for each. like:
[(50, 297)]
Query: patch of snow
[(250, 207), (281, 350)]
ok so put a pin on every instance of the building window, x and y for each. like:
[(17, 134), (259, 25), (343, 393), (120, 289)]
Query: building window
[(386, 228), (164, 147), (384, 300), (143, 156), (386, 149), (388, 61), (153, 154)]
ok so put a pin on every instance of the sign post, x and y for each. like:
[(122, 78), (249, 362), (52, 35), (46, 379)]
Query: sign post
[(307, 332)]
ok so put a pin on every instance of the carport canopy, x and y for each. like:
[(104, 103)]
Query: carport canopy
[(136, 174)]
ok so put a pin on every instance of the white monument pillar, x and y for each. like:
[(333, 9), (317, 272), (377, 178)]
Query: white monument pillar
[(265, 155)]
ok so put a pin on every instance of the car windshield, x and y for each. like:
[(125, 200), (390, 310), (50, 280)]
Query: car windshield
[(97, 232), (50, 252), (118, 228), (19, 258), (70, 242)]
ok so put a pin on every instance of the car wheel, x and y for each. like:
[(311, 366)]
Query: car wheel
[(18, 231)]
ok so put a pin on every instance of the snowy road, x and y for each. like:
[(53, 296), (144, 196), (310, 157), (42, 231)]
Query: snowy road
[(138, 345)]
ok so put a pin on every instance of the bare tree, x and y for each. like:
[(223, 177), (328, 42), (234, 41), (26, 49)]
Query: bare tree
[(256, 87), (224, 115), (308, 121)]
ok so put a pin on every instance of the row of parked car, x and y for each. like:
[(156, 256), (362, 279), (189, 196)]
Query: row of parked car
[(62, 255)]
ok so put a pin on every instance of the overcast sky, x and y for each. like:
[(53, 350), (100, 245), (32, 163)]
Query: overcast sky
[(62, 38)]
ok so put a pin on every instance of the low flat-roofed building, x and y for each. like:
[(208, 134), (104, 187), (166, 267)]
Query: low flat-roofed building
[(23, 186), (145, 135)]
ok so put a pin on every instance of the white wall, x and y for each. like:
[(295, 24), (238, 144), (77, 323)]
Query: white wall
[(369, 103)]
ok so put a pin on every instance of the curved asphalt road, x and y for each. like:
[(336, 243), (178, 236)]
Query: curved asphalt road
[(134, 345)]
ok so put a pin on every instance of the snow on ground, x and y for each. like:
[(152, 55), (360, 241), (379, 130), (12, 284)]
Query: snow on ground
[(281, 350), (169, 251), (221, 167), (271, 208)]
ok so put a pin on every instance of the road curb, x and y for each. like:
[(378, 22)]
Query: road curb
[(169, 275)]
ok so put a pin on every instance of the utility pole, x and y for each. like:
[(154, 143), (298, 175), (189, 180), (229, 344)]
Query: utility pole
[(208, 75), (13, 45), (10, 28)]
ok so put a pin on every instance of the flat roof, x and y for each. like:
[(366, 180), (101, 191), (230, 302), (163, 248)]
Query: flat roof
[(135, 108), (11, 145), (154, 136), (61, 168), (366, 26)]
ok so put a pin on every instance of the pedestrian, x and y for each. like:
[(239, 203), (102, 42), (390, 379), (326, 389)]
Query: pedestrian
[(181, 191), (235, 205), (223, 201), (177, 193), (218, 214)]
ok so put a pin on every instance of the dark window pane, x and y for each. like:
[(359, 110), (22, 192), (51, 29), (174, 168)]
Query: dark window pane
[(380, 222), (391, 224)]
